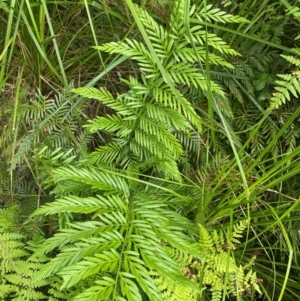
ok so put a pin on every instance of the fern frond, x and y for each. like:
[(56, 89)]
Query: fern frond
[(202, 37), (18, 271), (289, 85), (88, 205), (90, 250), (209, 13), (105, 261), (105, 97), (189, 55), (96, 179), (293, 10), (185, 74), (55, 122), (293, 60), (134, 50), (216, 261)]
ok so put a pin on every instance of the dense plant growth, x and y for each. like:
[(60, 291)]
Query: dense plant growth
[(149, 151)]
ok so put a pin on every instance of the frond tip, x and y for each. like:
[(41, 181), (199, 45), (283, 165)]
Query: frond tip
[(288, 86)]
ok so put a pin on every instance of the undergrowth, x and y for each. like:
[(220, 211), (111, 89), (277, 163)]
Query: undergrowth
[(170, 172)]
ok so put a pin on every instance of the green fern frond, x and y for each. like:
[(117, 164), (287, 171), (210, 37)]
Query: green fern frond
[(78, 205), (293, 10), (182, 73), (209, 13), (17, 276), (152, 138), (206, 240), (290, 85), (116, 221), (233, 235), (90, 250), (189, 55), (105, 97), (55, 122), (209, 267), (134, 50), (293, 60), (214, 249), (202, 37), (105, 261), (174, 291), (150, 116), (108, 182)]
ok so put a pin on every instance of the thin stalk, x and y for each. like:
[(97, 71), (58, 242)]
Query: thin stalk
[(7, 43), (244, 35), (41, 52), (93, 31), (290, 249), (15, 125), (57, 52)]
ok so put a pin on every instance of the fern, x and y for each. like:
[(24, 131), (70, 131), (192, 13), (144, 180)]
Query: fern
[(288, 86), (209, 13), (216, 262), (119, 249), (174, 291), (120, 241), (53, 122), (150, 117), (293, 10), (210, 268), (121, 232), (17, 277)]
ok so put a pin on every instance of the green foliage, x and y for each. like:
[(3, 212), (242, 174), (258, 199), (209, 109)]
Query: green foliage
[(121, 239), (150, 116), (17, 273), (288, 86), (217, 262), (122, 179), (21, 263), (210, 268), (174, 291), (209, 13), (129, 231), (55, 122), (130, 224)]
